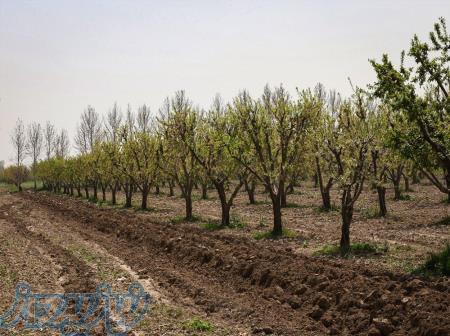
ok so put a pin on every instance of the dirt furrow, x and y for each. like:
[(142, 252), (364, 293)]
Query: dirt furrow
[(258, 285)]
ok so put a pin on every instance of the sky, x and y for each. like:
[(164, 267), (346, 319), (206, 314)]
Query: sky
[(56, 57)]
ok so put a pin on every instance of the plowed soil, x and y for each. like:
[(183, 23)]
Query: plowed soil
[(241, 285)]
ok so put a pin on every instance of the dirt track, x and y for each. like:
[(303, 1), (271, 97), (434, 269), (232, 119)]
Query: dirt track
[(243, 286)]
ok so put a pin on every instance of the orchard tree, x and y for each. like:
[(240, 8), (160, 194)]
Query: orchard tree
[(270, 132), (206, 137), (142, 150), (323, 138), (379, 153), (419, 96), (349, 143), (178, 160)]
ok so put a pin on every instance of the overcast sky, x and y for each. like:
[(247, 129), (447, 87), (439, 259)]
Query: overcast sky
[(56, 57)]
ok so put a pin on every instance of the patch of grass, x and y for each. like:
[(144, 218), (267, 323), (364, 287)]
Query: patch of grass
[(356, 249), (11, 188), (236, 222), (437, 264), (106, 274), (405, 197), (370, 212), (197, 324), (304, 243), (262, 223), (445, 200), (85, 254), (182, 219), (211, 225), (445, 221), (269, 235)]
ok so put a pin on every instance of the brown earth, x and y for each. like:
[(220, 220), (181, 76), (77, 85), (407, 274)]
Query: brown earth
[(241, 285)]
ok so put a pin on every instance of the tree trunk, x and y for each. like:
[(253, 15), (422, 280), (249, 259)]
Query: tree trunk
[(276, 207), (224, 204), (188, 199), (283, 198), (406, 179), (447, 180), (95, 192), (324, 190), (326, 199), (171, 193), (316, 180), (103, 193), (290, 188), (157, 190), (35, 183), (382, 200), (204, 191), (397, 192), (145, 192), (113, 195), (128, 188), (250, 189), (347, 215), (415, 177), (79, 191), (71, 190), (86, 190)]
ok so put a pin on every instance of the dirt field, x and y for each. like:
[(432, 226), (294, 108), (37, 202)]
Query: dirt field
[(240, 285)]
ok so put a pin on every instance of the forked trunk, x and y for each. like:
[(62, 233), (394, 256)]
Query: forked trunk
[(326, 199), (250, 189), (224, 204)]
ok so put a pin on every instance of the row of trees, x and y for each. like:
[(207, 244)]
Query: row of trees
[(384, 134), (33, 141)]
